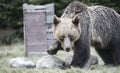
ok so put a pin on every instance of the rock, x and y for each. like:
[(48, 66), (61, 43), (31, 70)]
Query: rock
[(92, 61), (50, 61), (68, 60), (21, 62)]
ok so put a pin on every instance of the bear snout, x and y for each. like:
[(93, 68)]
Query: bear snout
[(67, 49)]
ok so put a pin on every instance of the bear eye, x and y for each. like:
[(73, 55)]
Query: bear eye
[(62, 38), (71, 37)]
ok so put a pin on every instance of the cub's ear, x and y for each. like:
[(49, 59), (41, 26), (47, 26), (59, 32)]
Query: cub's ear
[(56, 20), (75, 20)]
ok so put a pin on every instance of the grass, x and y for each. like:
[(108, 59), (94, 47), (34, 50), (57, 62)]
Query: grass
[(17, 50)]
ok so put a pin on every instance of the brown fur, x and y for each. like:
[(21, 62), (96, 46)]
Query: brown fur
[(65, 28), (98, 26)]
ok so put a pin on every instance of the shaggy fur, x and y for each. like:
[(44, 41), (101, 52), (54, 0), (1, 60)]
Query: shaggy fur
[(100, 27), (67, 33)]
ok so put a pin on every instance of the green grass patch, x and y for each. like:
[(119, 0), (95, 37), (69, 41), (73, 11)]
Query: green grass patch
[(17, 50)]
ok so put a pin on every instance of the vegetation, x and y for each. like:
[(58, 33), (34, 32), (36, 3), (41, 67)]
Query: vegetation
[(11, 14), (11, 10), (17, 50)]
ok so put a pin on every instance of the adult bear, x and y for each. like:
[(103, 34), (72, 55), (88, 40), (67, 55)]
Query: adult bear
[(82, 26)]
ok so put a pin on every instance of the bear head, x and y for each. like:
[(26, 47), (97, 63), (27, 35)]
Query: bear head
[(67, 31)]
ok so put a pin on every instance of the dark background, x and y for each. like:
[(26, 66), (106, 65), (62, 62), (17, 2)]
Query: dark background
[(11, 15)]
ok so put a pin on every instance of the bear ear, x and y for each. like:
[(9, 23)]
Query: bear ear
[(75, 20), (56, 20)]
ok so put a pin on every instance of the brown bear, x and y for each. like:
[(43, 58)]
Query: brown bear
[(82, 26)]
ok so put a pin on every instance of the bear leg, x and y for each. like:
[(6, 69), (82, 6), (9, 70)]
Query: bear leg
[(116, 51), (116, 56), (106, 55), (54, 48), (81, 51), (81, 58)]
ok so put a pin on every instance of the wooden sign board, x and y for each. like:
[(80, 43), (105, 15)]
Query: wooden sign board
[(38, 28)]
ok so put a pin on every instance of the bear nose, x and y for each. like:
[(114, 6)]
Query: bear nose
[(67, 49)]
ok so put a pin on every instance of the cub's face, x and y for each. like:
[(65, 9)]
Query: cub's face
[(67, 31)]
